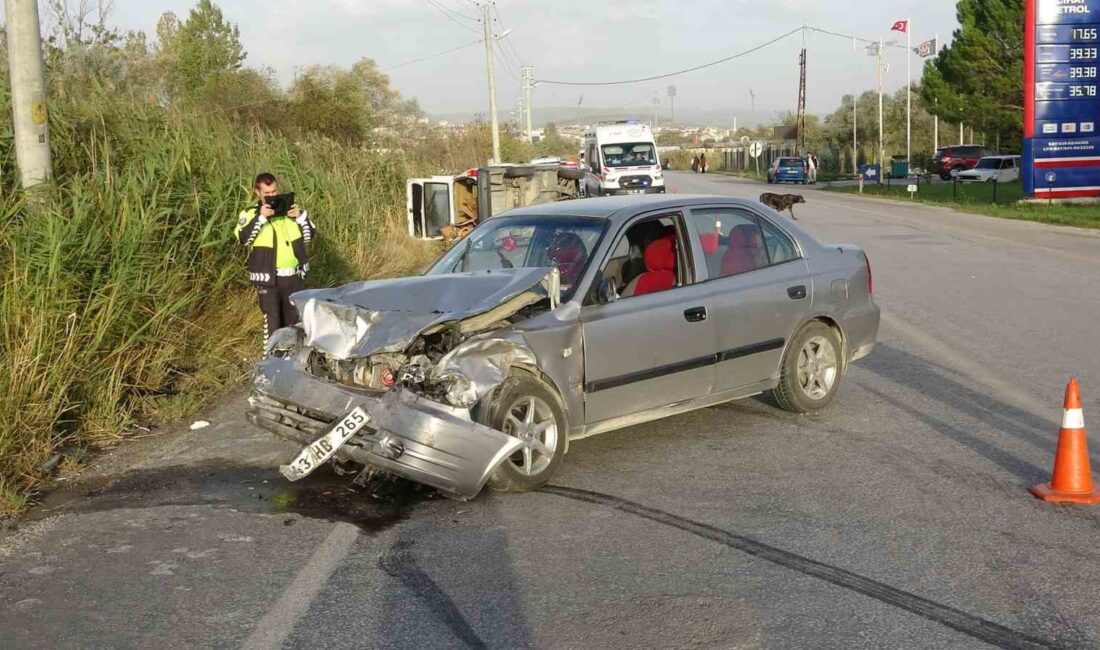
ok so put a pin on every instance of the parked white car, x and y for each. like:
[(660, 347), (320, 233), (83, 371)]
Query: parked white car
[(1001, 169)]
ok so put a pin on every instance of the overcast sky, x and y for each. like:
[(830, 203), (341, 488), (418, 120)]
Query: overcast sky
[(582, 41)]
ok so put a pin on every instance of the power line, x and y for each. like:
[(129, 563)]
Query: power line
[(475, 19), (678, 72), (869, 41), (450, 15), (432, 56), (508, 41), (802, 29)]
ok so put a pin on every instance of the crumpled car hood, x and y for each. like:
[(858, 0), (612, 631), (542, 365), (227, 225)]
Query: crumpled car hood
[(364, 318)]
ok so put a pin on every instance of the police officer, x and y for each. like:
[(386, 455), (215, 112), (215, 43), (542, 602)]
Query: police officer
[(277, 260)]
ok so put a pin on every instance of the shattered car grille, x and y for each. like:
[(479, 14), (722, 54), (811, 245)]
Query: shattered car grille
[(288, 416), (373, 373)]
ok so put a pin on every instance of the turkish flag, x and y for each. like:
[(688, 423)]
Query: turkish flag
[(900, 26)]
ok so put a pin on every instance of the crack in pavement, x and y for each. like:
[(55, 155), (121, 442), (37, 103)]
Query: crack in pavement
[(978, 628)]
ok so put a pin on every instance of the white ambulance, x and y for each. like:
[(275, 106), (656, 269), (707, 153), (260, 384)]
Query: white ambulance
[(621, 158)]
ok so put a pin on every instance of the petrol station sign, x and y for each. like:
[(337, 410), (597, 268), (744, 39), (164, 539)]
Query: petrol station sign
[(1062, 99)]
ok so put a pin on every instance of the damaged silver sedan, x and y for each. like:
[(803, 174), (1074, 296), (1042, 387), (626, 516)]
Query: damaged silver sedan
[(555, 322)]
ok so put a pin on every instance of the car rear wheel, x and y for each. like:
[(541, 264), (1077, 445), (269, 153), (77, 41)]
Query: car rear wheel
[(526, 408), (570, 174), (812, 369)]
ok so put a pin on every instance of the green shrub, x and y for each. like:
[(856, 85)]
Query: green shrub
[(122, 283)]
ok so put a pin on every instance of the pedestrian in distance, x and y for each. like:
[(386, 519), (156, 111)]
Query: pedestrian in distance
[(703, 163), (811, 168), (275, 230), (695, 164)]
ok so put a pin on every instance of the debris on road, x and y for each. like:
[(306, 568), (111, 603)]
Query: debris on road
[(199, 424)]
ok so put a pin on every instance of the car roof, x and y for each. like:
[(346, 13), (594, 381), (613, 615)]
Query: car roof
[(618, 209), (1003, 156)]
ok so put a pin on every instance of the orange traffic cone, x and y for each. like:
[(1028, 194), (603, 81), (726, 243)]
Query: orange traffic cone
[(1072, 480)]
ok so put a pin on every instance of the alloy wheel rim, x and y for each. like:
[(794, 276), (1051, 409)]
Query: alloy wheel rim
[(532, 421), (817, 367)]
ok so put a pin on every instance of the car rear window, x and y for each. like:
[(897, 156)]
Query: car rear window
[(791, 163)]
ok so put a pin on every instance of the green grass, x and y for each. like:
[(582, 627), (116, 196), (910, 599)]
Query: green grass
[(123, 295), (979, 199)]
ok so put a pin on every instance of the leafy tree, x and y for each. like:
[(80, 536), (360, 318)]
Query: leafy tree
[(979, 78), (201, 48)]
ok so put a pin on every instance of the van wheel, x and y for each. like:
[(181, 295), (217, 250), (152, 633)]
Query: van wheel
[(811, 370), (526, 408)]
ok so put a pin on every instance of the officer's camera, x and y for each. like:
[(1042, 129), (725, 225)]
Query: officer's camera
[(280, 203)]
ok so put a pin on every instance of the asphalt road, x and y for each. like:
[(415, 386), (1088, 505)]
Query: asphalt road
[(899, 517)]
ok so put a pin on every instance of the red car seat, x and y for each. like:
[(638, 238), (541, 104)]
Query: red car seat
[(660, 264), (709, 242), (746, 250)]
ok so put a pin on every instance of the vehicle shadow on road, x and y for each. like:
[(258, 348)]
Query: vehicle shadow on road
[(925, 378), (459, 582)]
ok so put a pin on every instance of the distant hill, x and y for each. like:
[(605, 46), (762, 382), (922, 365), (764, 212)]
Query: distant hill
[(585, 115)]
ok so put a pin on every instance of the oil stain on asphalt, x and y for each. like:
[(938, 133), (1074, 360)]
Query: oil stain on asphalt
[(324, 495)]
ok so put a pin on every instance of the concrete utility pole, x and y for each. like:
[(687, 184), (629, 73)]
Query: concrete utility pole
[(486, 25), (961, 135), (671, 104), (752, 99), (656, 108), (28, 92), (528, 76)]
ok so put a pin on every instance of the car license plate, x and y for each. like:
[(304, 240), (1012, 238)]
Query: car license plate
[(635, 191), (317, 452)]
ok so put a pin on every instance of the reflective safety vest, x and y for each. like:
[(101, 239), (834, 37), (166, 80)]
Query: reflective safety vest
[(277, 246)]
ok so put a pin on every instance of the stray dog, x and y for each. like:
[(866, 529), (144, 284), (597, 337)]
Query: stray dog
[(781, 202)]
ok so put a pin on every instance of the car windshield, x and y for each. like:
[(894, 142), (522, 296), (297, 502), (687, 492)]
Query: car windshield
[(629, 154), (989, 163), (527, 242)]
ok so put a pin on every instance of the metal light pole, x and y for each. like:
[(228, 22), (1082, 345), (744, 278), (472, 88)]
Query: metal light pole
[(28, 92), (855, 114), (908, 91), (881, 149), (671, 104), (487, 30)]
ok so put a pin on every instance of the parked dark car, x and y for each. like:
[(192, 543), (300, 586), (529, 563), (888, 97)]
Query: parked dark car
[(949, 161), (788, 169)]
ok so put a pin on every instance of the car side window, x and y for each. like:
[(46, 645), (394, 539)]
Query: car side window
[(731, 240), (648, 258), (779, 245)]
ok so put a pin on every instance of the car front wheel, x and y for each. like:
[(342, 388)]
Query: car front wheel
[(811, 371), (526, 408)]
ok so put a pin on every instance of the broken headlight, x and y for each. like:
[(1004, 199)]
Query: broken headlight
[(283, 342)]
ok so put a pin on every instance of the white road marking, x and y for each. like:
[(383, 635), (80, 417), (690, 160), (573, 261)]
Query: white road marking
[(278, 623)]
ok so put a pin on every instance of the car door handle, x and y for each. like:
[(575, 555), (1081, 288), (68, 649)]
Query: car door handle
[(695, 314), (797, 292)]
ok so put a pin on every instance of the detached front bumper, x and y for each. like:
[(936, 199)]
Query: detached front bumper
[(409, 435)]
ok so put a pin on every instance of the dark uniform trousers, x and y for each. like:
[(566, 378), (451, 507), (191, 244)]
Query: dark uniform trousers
[(275, 303)]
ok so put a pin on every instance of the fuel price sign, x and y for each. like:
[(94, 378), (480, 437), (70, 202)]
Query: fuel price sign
[(1062, 98)]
